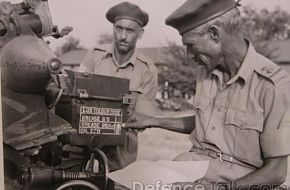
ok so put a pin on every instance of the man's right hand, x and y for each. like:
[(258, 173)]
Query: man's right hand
[(139, 121)]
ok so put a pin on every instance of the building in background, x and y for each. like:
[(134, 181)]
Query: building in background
[(72, 59)]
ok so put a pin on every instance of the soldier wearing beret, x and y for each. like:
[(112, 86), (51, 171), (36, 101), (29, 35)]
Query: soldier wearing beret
[(242, 103), (122, 59)]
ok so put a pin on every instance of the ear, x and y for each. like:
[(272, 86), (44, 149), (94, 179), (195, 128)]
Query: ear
[(214, 33), (141, 32)]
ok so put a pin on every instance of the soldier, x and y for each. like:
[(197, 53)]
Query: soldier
[(121, 59), (242, 102)]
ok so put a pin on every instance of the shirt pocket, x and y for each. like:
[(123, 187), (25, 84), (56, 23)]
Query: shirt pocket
[(244, 120), (243, 129)]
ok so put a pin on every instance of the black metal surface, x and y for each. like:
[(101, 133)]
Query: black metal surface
[(86, 105), (97, 85)]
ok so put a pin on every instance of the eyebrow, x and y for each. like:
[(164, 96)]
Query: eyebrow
[(128, 28)]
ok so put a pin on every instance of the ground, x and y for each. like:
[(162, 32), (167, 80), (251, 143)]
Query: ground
[(158, 144)]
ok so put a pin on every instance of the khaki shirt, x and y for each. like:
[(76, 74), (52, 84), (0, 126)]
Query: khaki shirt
[(142, 74), (139, 69), (249, 116)]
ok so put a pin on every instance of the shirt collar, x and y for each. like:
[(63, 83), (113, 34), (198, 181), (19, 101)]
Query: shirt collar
[(132, 60), (249, 63), (246, 69)]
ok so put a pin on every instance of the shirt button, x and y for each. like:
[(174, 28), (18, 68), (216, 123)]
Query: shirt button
[(219, 109), (213, 128)]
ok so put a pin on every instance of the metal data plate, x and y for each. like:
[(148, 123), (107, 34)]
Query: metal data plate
[(100, 121)]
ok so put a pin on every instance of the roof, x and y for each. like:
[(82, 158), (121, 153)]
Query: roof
[(74, 57), (281, 51), (157, 54)]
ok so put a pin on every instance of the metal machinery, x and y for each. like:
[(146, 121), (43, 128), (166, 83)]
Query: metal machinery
[(45, 149)]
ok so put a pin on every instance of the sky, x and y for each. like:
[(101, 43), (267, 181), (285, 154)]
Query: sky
[(87, 17)]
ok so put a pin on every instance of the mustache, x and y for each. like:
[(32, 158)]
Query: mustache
[(123, 41)]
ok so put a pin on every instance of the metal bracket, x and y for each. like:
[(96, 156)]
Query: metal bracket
[(220, 155), (129, 99), (83, 93)]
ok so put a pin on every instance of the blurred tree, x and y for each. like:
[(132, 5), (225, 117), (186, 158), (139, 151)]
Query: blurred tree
[(71, 43), (105, 38), (263, 27), (177, 71)]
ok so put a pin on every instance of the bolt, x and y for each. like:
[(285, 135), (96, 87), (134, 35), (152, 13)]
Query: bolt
[(55, 65)]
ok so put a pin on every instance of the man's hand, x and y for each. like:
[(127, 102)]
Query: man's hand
[(139, 121), (178, 122)]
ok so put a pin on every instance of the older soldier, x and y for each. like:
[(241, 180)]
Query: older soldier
[(242, 102), (121, 59)]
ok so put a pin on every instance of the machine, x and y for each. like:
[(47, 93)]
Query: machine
[(54, 122)]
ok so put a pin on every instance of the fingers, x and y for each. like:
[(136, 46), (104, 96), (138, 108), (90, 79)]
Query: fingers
[(133, 127), (126, 125)]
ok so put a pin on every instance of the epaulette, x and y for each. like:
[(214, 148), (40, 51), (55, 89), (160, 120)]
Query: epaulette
[(144, 58), (273, 72), (100, 49), (149, 62), (103, 48)]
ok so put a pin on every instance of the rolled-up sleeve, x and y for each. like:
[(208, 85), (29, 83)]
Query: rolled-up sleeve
[(151, 84), (275, 138)]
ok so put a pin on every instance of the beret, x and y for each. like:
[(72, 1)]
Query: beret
[(128, 11), (194, 13)]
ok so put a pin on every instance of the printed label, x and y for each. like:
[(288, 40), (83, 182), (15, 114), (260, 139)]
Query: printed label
[(97, 121)]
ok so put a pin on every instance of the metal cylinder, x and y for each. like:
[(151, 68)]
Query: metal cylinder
[(78, 183), (3, 28), (39, 177), (42, 177), (27, 64)]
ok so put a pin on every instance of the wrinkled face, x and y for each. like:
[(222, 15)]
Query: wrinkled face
[(202, 49), (126, 34)]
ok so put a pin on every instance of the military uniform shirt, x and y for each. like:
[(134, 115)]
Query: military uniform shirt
[(248, 117), (143, 82)]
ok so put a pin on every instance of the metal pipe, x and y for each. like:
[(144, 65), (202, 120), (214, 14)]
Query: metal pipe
[(3, 29), (40, 177), (34, 22), (78, 183)]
